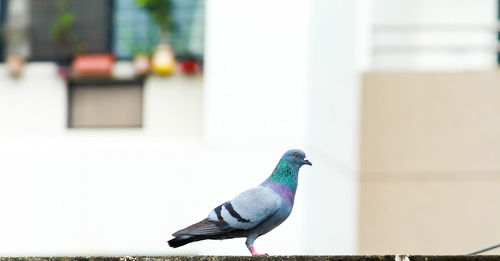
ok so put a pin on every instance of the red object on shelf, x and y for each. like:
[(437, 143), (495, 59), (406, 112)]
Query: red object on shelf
[(93, 64), (189, 66)]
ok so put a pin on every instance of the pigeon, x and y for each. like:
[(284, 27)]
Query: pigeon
[(252, 213)]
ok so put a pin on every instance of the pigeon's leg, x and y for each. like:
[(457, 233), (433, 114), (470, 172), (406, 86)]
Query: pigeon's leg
[(249, 244), (252, 250)]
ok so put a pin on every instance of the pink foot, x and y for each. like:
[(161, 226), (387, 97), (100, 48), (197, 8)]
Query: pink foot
[(252, 250)]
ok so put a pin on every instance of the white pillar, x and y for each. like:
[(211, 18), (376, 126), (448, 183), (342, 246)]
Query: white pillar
[(332, 128), (255, 71)]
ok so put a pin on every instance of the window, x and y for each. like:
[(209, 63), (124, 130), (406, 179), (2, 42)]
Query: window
[(3, 16), (189, 16), (89, 33), (134, 30), (498, 32), (105, 104), (113, 26)]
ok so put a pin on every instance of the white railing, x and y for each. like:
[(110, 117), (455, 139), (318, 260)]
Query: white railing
[(434, 46)]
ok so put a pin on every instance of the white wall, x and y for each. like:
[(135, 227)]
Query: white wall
[(255, 102), (282, 74), (33, 105), (466, 40), (332, 133), (255, 79), (95, 191), (278, 75)]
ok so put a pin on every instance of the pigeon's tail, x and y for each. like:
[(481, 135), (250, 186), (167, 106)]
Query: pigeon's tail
[(183, 240), (205, 229)]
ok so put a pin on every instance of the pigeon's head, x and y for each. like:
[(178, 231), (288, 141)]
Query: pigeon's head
[(297, 157)]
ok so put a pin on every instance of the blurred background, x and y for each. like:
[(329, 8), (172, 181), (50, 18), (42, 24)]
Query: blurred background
[(122, 121)]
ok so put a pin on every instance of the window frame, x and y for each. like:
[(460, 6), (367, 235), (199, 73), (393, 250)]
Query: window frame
[(109, 32), (498, 31), (72, 83), (3, 18)]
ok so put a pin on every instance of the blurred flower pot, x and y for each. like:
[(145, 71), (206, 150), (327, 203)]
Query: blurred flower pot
[(15, 64), (163, 60), (64, 71), (64, 65), (142, 64), (189, 66), (93, 65)]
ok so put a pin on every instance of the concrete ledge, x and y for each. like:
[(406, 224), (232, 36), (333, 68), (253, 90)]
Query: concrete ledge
[(270, 258)]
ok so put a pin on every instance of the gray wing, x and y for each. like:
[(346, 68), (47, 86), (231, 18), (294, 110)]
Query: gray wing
[(248, 209), (204, 227)]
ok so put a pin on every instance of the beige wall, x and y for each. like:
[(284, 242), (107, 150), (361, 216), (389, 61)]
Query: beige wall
[(430, 162)]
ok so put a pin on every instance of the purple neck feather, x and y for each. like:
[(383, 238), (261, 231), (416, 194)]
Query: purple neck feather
[(284, 191)]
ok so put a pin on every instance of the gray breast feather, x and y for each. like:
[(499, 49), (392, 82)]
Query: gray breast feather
[(248, 209)]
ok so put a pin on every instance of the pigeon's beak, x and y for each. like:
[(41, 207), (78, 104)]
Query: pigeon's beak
[(308, 162)]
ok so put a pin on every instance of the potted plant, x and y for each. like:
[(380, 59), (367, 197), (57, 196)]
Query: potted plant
[(160, 11), (141, 48), (142, 63), (17, 50), (62, 32), (163, 61), (189, 63), (16, 33)]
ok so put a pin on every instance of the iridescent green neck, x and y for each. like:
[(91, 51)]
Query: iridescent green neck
[(285, 175)]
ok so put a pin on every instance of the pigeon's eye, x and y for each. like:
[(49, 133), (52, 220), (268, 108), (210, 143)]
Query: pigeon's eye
[(296, 155)]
